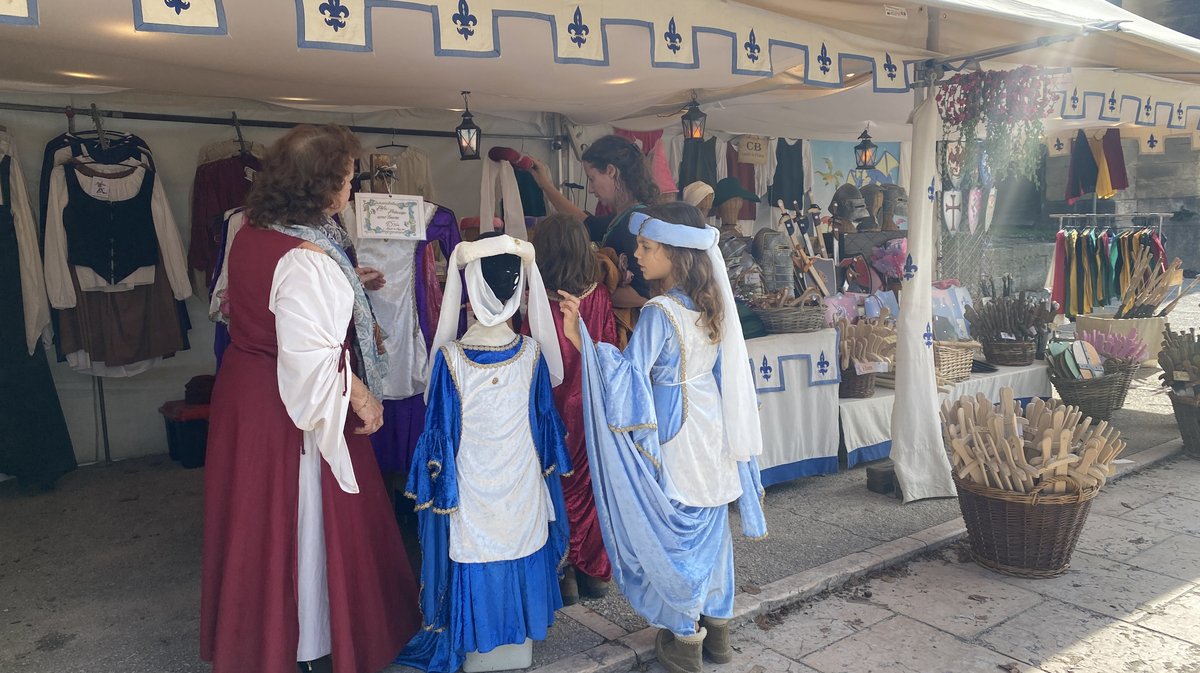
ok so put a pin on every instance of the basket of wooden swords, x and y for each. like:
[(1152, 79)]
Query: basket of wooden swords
[(1009, 328), (1180, 362), (1026, 479)]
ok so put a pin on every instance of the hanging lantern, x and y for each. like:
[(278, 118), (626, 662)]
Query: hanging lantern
[(468, 133), (693, 123), (866, 153)]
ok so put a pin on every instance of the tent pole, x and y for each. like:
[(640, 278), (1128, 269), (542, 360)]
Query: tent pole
[(259, 123)]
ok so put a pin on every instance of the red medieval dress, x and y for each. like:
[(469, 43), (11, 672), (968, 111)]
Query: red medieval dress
[(302, 556), (587, 552)]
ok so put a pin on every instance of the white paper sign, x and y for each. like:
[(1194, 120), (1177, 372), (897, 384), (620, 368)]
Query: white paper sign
[(390, 216), (753, 150)]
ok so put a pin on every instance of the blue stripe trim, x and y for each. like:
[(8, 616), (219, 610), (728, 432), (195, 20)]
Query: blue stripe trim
[(31, 20), (810, 467), (867, 454), (141, 25)]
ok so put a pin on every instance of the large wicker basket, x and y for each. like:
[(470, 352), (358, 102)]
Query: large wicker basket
[(1024, 534), (1187, 415), (792, 319), (856, 385), (1127, 369), (1009, 353), (952, 360), (1097, 397)]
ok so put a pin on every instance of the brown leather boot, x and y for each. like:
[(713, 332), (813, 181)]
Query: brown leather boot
[(591, 587), (680, 654), (716, 643)]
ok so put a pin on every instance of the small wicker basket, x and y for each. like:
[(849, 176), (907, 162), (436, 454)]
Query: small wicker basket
[(856, 385), (1097, 397), (1187, 415), (1024, 534), (953, 359), (1009, 353), (1127, 369), (792, 319)]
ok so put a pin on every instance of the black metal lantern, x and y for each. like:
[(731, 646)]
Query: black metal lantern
[(693, 123), (468, 133), (866, 153)]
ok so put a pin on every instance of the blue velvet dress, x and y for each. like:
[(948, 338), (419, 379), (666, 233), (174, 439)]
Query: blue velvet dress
[(480, 606)]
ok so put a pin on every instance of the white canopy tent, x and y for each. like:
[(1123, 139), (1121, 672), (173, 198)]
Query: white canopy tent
[(820, 68)]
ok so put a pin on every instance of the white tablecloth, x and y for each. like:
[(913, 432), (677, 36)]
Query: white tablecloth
[(867, 423), (796, 376)]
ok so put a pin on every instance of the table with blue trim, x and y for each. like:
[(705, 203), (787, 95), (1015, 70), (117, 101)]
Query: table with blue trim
[(796, 376), (867, 423)]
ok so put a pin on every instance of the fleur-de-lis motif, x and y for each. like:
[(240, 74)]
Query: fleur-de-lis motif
[(928, 335), (930, 192), (910, 269), (1179, 112), (1058, 144), (752, 47), (578, 29), (178, 5), (465, 20), (824, 60), (1148, 108), (823, 364), (1075, 99), (889, 66), (1112, 101), (1152, 142), (766, 369), (673, 38), (335, 14)]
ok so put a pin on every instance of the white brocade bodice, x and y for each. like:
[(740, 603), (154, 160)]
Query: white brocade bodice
[(504, 507), (395, 306), (697, 467)]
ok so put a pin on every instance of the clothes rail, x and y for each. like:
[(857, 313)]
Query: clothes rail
[(259, 123), (1094, 220)]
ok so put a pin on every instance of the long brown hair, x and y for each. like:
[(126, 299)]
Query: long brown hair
[(301, 174), (691, 270), (564, 254), (632, 172)]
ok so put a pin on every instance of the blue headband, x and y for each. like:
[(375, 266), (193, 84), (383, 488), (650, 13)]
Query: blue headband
[(678, 235)]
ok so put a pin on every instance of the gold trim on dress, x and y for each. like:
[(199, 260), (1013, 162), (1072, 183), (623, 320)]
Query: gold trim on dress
[(494, 365), (682, 358), (496, 349), (434, 474), (631, 428), (652, 459)]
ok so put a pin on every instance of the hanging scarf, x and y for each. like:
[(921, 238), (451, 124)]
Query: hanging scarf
[(371, 364)]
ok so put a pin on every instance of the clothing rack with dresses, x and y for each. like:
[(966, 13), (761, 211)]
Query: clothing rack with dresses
[(1094, 257)]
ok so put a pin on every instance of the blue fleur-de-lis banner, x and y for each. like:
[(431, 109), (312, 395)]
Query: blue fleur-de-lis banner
[(193, 17), (579, 33), (1091, 95), (19, 12)]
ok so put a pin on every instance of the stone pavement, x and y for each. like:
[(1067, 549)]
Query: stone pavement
[(1130, 602)]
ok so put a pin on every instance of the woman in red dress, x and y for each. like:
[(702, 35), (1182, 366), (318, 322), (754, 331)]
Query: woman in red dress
[(303, 563), (569, 263)]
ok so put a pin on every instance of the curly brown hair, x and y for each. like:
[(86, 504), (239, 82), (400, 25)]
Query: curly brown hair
[(691, 270), (301, 174), (565, 255), (632, 171)]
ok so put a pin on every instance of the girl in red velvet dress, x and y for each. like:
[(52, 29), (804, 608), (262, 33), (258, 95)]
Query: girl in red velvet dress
[(303, 563), (568, 262)]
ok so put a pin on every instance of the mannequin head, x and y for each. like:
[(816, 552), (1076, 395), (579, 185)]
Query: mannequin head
[(873, 199), (728, 211), (705, 206), (501, 272), (895, 208)]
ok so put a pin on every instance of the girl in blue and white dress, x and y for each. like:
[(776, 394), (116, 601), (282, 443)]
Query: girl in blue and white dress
[(672, 432)]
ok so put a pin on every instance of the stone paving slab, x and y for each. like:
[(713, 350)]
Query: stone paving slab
[(1179, 618), (957, 598), (1119, 498), (1118, 539), (811, 627), (1178, 556), (1172, 512), (904, 644)]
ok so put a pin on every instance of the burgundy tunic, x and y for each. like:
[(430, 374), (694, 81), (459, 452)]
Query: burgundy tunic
[(248, 612)]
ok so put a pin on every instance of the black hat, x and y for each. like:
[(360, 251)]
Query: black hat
[(727, 188)]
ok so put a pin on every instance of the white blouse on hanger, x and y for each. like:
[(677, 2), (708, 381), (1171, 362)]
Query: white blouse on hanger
[(33, 287)]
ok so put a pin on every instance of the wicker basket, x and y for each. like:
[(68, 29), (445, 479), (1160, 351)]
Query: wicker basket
[(1187, 415), (792, 319), (856, 385), (1097, 397), (1127, 369), (1009, 353), (953, 361), (1024, 534)]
